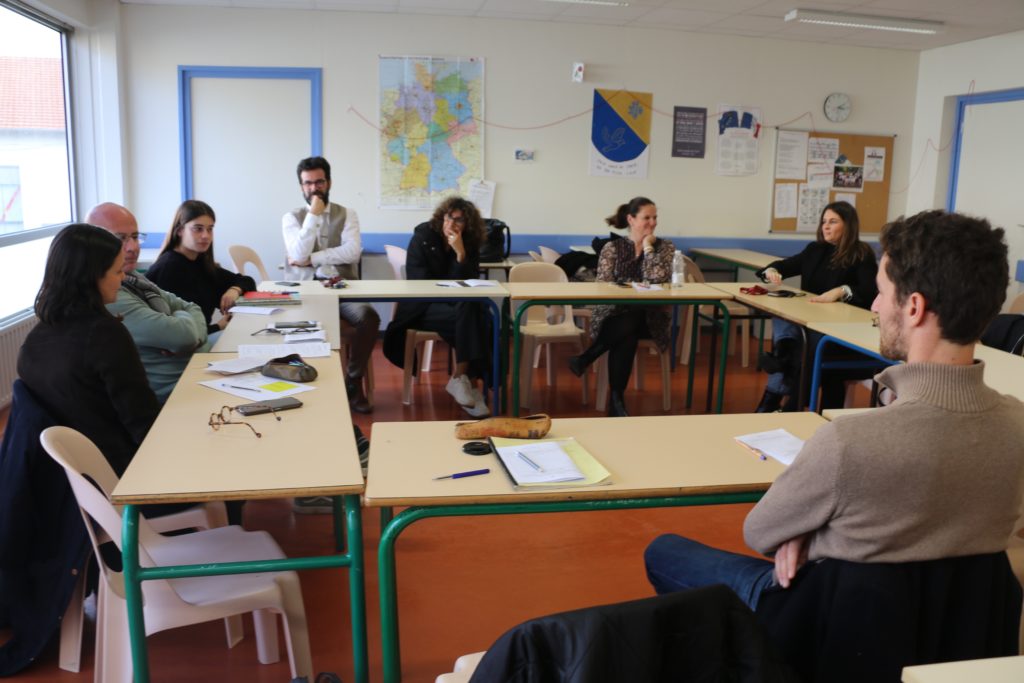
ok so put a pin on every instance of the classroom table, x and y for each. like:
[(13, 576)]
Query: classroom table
[(311, 451), (416, 290), (994, 670), (1004, 371), (798, 310), (685, 460), (528, 294), (319, 307), (504, 264), (737, 258)]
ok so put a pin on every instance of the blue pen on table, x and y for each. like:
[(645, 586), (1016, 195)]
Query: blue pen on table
[(235, 386), (531, 463), (460, 475)]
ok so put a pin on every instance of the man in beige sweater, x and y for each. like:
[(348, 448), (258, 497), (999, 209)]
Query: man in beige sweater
[(935, 474)]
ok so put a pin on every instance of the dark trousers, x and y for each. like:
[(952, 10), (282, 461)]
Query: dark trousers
[(620, 333), (463, 326), (360, 327)]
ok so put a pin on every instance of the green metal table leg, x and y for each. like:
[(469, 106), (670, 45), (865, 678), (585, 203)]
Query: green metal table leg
[(357, 588), (338, 512), (133, 592), (724, 355)]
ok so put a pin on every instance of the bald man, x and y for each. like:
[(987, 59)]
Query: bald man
[(166, 329)]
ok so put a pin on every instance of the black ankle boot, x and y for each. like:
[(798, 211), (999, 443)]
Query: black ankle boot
[(781, 357), (616, 405), (770, 402), (579, 364)]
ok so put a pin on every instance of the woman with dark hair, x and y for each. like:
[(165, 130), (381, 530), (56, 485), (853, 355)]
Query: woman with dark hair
[(837, 266), (640, 257), (447, 247), (79, 360), (186, 267)]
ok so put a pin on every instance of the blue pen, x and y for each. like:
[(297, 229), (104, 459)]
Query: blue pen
[(460, 475), (528, 461)]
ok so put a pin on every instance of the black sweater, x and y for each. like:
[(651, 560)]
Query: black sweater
[(86, 371), (190, 280), (818, 275)]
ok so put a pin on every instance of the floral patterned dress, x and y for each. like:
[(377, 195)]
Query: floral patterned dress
[(618, 263)]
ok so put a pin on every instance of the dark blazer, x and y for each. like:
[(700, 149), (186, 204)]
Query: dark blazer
[(43, 543), (814, 266), (706, 634), (427, 258), (86, 371), (175, 273), (853, 622)]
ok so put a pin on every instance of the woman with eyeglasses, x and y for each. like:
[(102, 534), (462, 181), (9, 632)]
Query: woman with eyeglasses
[(837, 266), (79, 360), (186, 267), (640, 257), (447, 247)]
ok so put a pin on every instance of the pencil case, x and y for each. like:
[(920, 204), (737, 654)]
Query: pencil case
[(290, 367), (529, 427)]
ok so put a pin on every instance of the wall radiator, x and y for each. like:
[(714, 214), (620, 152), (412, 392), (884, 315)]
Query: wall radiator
[(12, 335)]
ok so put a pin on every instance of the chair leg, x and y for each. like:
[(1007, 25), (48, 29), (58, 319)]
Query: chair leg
[(550, 367), (666, 381), (265, 623), (526, 370), (296, 628), (113, 653), (745, 335), (426, 356), (684, 347), (234, 630), (601, 394), (71, 628), (410, 360)]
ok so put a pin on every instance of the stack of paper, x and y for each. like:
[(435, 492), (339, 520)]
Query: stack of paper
[(467, 283), (777, 444), (269, 298), (548, 462)]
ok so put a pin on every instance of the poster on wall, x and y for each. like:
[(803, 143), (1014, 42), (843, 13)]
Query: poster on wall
[(739, 133), (811, 203), (689, 129), (874, 164), (791, 155), (431, 139), (620, 133)]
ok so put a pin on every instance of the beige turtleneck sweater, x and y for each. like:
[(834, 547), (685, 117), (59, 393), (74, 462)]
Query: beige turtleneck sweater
[(937, 473)]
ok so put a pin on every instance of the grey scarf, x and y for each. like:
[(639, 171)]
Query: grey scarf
[(138, 285)]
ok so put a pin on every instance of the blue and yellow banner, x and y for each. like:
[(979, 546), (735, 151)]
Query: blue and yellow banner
[(621, 133)]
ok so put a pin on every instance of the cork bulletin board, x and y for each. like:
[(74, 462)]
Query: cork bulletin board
[(813, 168)]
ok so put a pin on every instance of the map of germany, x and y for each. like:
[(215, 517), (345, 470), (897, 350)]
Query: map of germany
[(431, 139)]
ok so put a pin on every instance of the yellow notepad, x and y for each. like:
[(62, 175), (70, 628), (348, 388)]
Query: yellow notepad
[(532, 463)]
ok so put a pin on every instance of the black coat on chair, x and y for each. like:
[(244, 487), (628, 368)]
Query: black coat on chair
[(848, 621)]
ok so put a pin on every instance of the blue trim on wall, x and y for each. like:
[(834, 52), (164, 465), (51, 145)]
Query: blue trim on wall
[(962, 102), (187, 73), (1019, 277)]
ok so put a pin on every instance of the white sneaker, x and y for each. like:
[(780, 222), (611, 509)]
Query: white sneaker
[(479, 408), (461, 390)]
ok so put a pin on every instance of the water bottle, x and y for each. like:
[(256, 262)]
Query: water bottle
[(678, 269)]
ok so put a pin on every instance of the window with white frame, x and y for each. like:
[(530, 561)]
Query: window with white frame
[(36, 196)]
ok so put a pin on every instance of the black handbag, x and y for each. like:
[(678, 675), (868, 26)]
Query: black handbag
[(497, 243)]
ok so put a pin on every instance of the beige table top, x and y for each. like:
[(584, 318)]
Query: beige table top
[(569, 291), (995, 670), (1004, 371), (311, 451), (754, 260), (239, 331), (651, 456), (833, 413), (799, 310), (390, 290)]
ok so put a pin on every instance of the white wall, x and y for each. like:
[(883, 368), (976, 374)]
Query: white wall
[(527, 85), (978, 66)]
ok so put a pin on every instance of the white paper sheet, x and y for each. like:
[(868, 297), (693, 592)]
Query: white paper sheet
[(481, 193), (305, 336), (819, 175), (848, 197), (785, 200), (811, 203), (468, 283), (256, 387), (777, 444), (234, 366), (823, 149), (641, 287), (305, 349), (874, 164), (255, 310), (542, 462), (791, 155)]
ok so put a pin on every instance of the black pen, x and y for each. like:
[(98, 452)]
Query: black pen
[(460, 475)]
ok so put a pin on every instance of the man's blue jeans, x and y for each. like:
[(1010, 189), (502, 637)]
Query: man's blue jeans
[(675, 563), (781, 329)]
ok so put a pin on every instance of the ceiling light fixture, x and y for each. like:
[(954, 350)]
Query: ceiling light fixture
[(919, 26), (602, 3)]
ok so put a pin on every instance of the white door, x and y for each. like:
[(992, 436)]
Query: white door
[(990, 182), (247, 136)]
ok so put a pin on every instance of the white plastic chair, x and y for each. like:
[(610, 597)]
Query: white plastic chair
[(414, 339), (242, 256), (548, 255), (535, 255), (538, 331), (463, 670), (179, 602), (205, 516), (693, 274)]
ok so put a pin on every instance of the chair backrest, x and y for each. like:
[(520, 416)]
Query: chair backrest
[(852, 621), (535, 255), (92, 479), (691, 271), (396, 257), (242, 255), (1017, 306), (541, 272), (548, 255)]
